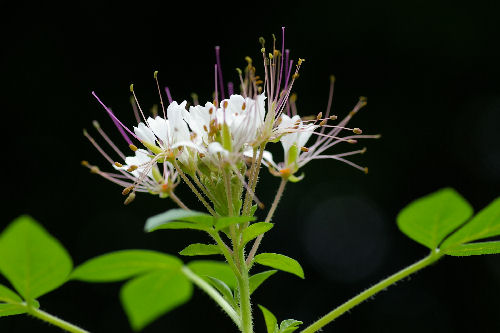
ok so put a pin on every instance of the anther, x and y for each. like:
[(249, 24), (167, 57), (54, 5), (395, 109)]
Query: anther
[(225, 104), (249, 60), (239, 71), (365, 170), (132, 147), (118, 164), (363, 150), (132, 88), (270, 55), (332, 78), (261, 205), (155, 74), (85, 163), (262, 41), (129, 199), (96, 124), (352, 141), (295, 76), (323, 122), (127, 190), (201, 155), (319, 116), (357, 131), (304, 149), (300, 61), (94, 169), (333, 117), (244, 106), (132, 168)]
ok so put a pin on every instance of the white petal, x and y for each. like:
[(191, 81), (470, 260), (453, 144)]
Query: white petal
[(215, 147), (144, 133)]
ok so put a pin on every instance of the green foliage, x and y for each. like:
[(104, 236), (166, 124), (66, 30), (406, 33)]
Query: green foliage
[(188, 219), (483, 225), (257, 279), (281, 262), (149, 296), (9, 302), (270, 319), (179, 219), (224, 290), (215, 269), (254, 230), (289, 325), (12, 309), (430, 219), (433, 221), (122, 265), (33, 261), (8, 296), (198, 249)]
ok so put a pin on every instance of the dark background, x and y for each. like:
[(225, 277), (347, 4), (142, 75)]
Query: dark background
[(430, 71)]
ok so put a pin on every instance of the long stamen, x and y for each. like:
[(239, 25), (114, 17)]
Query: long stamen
[(108, 140), (117, 121), (169, 96), (219, 70), (159, 93)]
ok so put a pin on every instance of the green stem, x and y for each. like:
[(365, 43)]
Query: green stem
[(244, 289), (331, 316), (54, 320), (214, 294)]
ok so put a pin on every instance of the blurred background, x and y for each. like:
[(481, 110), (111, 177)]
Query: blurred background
[(429, 70)]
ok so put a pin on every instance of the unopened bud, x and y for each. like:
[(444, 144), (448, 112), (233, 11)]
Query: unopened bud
[(357, 131), (129, 199)]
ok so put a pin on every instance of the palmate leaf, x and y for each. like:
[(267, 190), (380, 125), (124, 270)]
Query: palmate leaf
[(281, 262), (257, 279), (472, 249), (198, 249), (215, 269), (8, 296), (122, 265), (483, 225), (9, 302), (149, 296), (270, 319), (11, 309), (430, 219), (33, 261)]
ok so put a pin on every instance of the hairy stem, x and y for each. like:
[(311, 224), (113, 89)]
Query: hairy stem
[(47, 317), (331, 316), (244, 289), (214, 294), (269, 216), (252, 182)]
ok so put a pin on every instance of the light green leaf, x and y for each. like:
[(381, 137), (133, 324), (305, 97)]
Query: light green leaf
[(484, 224), (8, 296), (281, 262), (11, 309), (472, 249), (31, 259), (122, 265), (255, 230), (257, 279), (200, 250), (179, 219), (271, 322), (216, 269), (224, 289), (226, 221), (289, 325), (430, 219), (150, 296)]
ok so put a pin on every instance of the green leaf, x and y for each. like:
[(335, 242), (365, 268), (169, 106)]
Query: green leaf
[(179, 219), (472, 249), (257, 279), (289, 325), (281, 262), (226, 221), (33, 261), (224, 289), (484, 224), (150, 296), (11, 309), (122, 265), (430, 219), (254, 230), (8, 296), (271, 322), (216, 269), (200, 250)]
